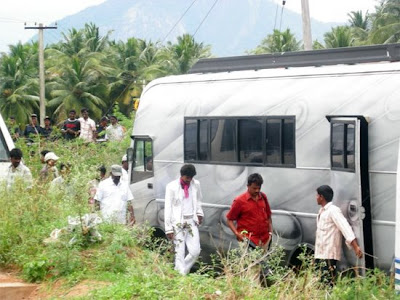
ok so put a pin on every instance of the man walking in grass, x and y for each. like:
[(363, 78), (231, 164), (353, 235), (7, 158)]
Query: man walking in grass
[(331, 225), (114, 198), (183, 215)]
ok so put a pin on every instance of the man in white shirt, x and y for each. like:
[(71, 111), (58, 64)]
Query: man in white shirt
[(17, 170), (125, 167), (331, 225), (114, 198), (114, 132), (183, 215), (88, 126)]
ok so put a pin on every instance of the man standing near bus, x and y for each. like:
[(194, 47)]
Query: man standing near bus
[(331, 225), (252, 214), (183, 215)]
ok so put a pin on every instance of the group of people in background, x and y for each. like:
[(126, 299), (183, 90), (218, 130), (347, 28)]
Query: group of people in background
[(110, 195), (49, 173), (108, 129)]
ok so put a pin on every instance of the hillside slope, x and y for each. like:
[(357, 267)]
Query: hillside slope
[(231, 27)]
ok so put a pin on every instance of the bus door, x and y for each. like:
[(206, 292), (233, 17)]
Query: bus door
[(350, 182), (141, 176)]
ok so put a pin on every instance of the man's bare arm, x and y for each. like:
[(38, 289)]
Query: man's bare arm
[(239, 236)]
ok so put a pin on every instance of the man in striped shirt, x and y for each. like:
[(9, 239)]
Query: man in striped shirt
[(331, 225)]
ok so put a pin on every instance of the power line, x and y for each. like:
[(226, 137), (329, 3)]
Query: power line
[(173, 27), (11, 20), (201, 23), (276, 15)]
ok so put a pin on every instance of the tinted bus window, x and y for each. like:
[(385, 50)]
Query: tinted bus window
[(223, 140), (190, 139), (250, 141)]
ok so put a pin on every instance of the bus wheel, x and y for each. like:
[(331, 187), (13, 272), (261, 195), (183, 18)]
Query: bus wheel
[(301, 256)]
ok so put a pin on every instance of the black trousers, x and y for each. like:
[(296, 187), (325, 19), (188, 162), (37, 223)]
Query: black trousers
[(328, 270)]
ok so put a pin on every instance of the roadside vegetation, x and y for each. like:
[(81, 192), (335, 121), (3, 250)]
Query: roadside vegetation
[(127, 263)]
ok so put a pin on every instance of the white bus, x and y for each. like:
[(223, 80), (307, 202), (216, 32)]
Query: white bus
[(300, 120)]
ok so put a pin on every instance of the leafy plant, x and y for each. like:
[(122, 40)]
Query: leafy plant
[(35, 271)]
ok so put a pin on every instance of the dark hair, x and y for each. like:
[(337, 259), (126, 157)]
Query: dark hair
[(84, 110), (326, 192), (255, 178), (102, 170), (16, 153), (103, 119), (188, 170), (65, 166), (72, 110), (12, 117), (44, 152), (114, 117)]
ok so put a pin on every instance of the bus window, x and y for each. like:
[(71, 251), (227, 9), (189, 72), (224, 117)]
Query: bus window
[(142, 165), (3, 149)]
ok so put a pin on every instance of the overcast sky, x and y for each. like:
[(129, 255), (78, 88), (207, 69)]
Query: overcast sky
[(331, 10), (14, 13)]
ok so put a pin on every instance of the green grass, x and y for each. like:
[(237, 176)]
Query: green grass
[(124, 259)]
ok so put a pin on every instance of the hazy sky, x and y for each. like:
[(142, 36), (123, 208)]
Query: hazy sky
[(331, 10), (14, 13)]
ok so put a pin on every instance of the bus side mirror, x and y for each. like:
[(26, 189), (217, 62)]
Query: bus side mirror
[(130, 154)]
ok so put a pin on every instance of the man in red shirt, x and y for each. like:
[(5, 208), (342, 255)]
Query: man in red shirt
[(252, 214)]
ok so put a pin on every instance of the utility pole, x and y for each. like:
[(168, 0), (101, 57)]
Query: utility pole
[(305, 14), (41, 69)]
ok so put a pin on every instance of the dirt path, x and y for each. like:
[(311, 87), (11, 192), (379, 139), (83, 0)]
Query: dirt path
[(14, 288)]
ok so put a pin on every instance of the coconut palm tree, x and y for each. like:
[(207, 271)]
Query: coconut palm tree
[(139, 61), (73, 42), (125, 57), (78, 72), (340, 36), (356, 19), (20, 101), (185, 53), (18, 82), (278, 41), (386, 23), (77, 81), (153, 60), (94, 42), (360, 26), (317, 45)]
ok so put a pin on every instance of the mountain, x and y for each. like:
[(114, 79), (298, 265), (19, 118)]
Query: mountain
[(230, 26)]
